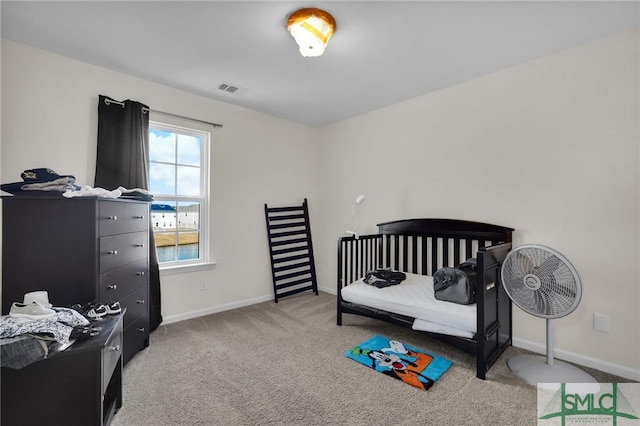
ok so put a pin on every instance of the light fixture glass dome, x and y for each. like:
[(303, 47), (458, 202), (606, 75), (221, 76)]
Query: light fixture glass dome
[(312, 29)]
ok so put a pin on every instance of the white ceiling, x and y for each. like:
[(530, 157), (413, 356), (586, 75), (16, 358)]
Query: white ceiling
[(383, 52)]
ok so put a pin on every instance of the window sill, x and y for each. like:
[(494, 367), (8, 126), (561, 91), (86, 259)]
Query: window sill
[(193, 267)]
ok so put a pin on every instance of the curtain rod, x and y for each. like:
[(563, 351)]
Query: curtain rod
[(108, 101)]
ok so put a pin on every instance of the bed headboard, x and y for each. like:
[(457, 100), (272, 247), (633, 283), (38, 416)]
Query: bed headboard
[(436, 242), (447, 228), (419, 246)]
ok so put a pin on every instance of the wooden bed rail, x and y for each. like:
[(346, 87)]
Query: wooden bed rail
[(416, 254), (356, 256)]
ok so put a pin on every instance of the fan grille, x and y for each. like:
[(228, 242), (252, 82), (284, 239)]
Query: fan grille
[(541, 281)]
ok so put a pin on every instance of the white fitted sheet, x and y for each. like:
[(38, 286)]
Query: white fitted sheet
[(414, 297)]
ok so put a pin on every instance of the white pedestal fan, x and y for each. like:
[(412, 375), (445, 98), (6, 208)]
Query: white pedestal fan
[(542, 282)]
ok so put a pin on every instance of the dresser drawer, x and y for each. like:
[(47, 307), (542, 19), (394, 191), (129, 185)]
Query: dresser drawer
[(111, 354), (118, 250), (137, 305), (136, 338), (119, 282), (117, 217)]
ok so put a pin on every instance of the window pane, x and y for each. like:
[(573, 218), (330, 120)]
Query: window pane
[(163, 216), (162, 178), (165, 246), (188, 216), (188, 180), (188, 245), (189, 150), (162, 146)]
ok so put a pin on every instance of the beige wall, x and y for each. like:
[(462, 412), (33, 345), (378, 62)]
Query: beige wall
[(50, 111), (549, 148)]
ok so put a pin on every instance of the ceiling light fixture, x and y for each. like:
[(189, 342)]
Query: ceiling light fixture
[(311, 28)]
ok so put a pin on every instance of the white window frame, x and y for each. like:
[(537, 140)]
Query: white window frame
[(204, 260)]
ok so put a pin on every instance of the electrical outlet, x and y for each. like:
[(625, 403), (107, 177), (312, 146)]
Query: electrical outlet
[(204, 285), (601, 322)]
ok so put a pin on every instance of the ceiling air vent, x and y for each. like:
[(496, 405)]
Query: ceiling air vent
[(231, 88)]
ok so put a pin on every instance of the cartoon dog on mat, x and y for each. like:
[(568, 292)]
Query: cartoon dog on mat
[(408, 371)]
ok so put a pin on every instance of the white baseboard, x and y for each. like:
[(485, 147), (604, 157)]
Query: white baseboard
[(221, 308), (330, 290), (214, 309), (585, 361)]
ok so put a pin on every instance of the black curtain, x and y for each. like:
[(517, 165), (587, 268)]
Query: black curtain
[(121, 160)]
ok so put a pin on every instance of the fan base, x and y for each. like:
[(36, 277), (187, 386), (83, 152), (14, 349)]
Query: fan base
[(534, 369)]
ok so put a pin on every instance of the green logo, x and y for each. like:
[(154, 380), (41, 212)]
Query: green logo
[(613, 404)]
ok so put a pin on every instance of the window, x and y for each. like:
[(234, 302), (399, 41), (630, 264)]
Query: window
[(178, 180)]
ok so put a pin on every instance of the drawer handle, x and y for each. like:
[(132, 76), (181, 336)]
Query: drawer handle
[(140, 301), (114, 217), (140, 245), (112, 286), (115, 348), (139, 217), (141, 329), (140, 273), (114, 252)]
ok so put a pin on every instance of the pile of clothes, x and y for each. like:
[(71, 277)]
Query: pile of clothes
[(41, 181), (384, 277), (44, 181), (34, 328)]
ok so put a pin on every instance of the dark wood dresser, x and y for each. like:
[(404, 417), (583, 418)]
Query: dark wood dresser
[(80, 386), (81, 250)]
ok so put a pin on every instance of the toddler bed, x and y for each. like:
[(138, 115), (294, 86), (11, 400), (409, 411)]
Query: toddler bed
[(419, 247)]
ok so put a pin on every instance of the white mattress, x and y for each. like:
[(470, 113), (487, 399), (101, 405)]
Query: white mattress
[(414, 297), (434, 327)]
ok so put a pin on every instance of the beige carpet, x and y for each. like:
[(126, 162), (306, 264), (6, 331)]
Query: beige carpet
[(283, 364)]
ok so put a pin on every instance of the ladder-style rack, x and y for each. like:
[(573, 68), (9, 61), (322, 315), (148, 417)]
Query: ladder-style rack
[(292, 265)]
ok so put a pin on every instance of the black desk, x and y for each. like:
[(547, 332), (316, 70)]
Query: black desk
[(81, 385)]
